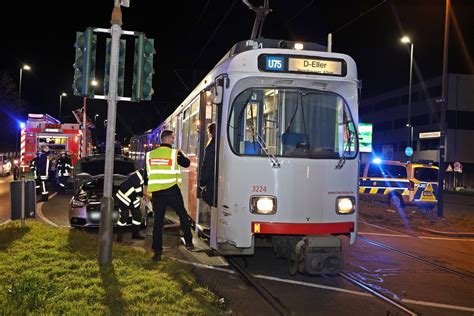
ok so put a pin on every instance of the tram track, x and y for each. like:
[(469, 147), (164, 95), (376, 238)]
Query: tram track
[(386, 299), (418, 258), (274, 302)]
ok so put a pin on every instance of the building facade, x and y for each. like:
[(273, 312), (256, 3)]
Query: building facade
[(388, 113)]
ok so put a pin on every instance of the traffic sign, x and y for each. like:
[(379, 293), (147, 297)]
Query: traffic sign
[(449, 169), (409, 151)]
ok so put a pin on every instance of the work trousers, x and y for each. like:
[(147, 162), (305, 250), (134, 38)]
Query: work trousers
[(125, 210), (62, 183), (161, 200)]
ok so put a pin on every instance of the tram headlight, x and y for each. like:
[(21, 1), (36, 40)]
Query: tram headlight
[(264, 205), (345, 205)]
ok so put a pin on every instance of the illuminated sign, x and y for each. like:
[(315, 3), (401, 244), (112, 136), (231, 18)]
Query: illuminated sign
[(365, 138), (52, 130), (275, 63), (430, 135), (302, 64), (319, 66)]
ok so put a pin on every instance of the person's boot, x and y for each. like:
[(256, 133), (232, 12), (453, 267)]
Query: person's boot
[(157, 256), (120, 234), (136, 232)]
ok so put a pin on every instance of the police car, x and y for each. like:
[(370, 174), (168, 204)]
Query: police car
[(399, 183)]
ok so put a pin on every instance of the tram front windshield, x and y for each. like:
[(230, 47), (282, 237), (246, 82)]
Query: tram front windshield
[(300, 123)]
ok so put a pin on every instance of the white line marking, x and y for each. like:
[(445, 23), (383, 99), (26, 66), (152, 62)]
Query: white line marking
[(385, 235), (445, 238), (402, 235), (42, 216), (325, 287), (455, 307)]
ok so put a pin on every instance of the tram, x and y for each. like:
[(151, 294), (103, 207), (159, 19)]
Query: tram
[(286, 156)]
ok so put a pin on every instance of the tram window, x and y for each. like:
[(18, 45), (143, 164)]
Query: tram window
[(292, 123), (185, 130), (193, 133)]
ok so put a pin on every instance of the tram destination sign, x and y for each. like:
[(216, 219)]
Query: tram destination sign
[(302, 64)]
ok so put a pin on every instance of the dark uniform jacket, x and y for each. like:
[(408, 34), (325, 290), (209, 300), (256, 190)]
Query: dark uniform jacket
[(64, 166), (131, 190), (206, 176), (42, 165)]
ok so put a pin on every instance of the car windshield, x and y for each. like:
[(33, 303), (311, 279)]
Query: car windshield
[(96, 167), (426, 174), (292, 123)]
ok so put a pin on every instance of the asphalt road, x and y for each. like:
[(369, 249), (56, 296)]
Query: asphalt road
[(421, 287), (5, 198)]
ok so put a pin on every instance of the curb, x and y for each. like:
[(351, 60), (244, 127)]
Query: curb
[(450, 234), (39, 212), (5, 222)]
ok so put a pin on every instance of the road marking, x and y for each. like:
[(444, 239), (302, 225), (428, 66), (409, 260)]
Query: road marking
[(385, 235), (455, 307), (42, 216), (325, 287), (403, 235)]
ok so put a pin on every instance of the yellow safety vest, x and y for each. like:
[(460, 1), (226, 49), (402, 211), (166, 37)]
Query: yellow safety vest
[(162, 169)]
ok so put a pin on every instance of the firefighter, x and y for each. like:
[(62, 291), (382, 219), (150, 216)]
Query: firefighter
[(163, 179), (34, 171), (42, 171), (64, 167), (129, 196)]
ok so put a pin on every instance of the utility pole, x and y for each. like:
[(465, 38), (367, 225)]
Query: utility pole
[(84, 129), (107, 202), (444, 104)]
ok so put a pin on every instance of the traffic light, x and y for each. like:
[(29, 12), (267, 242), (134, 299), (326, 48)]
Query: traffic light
[(143, 68), (121, 69), (84, 66)]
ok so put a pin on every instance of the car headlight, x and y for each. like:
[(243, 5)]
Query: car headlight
[(264, 205), (78, 203), (15, 161), (345, 205)]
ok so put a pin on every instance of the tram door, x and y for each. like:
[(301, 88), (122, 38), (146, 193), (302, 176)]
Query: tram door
[(206, 195)]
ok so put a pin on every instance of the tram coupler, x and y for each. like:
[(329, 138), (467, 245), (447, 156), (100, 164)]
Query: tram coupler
[(319, 255)]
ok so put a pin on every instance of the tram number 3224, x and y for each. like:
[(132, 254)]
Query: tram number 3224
[(259, 188)]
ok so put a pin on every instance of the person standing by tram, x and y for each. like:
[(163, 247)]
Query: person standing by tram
[(163, 180), (206, 174)]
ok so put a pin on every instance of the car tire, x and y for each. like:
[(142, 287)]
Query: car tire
[(395, 200)]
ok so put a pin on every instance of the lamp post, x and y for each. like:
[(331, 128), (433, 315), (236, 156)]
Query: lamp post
[(27, 68), (95, 119), (406, 40), (63, 94), (94, 83)]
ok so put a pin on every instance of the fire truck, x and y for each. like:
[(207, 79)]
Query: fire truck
[(44, 130)]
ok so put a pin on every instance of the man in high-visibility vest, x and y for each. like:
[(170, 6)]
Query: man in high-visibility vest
[(163, 180)]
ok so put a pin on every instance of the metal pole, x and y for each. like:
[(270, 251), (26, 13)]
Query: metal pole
[(84, 129), (444, 98), (22, 202), (106, 224), (330, 42), (409, 96), (18, 110), (60, 103)]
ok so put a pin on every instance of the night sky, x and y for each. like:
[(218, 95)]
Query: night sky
[(42, 34)]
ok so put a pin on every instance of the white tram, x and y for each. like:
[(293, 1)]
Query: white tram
[(286, 160)]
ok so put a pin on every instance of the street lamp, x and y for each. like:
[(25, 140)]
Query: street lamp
[(94, 83), (95, 119), (406, 40), (27, 68), (61, 102)]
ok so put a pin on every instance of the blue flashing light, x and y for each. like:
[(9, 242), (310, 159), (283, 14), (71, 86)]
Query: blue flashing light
[(377, 160), (22, 125)]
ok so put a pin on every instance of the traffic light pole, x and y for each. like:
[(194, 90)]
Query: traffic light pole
[(107, 205), (442, 138)]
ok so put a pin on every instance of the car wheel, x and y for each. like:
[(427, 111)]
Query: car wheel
[(395, 201)]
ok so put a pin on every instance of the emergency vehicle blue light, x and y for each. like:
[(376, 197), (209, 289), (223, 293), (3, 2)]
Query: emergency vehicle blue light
[(377, 160), (22, 125)]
